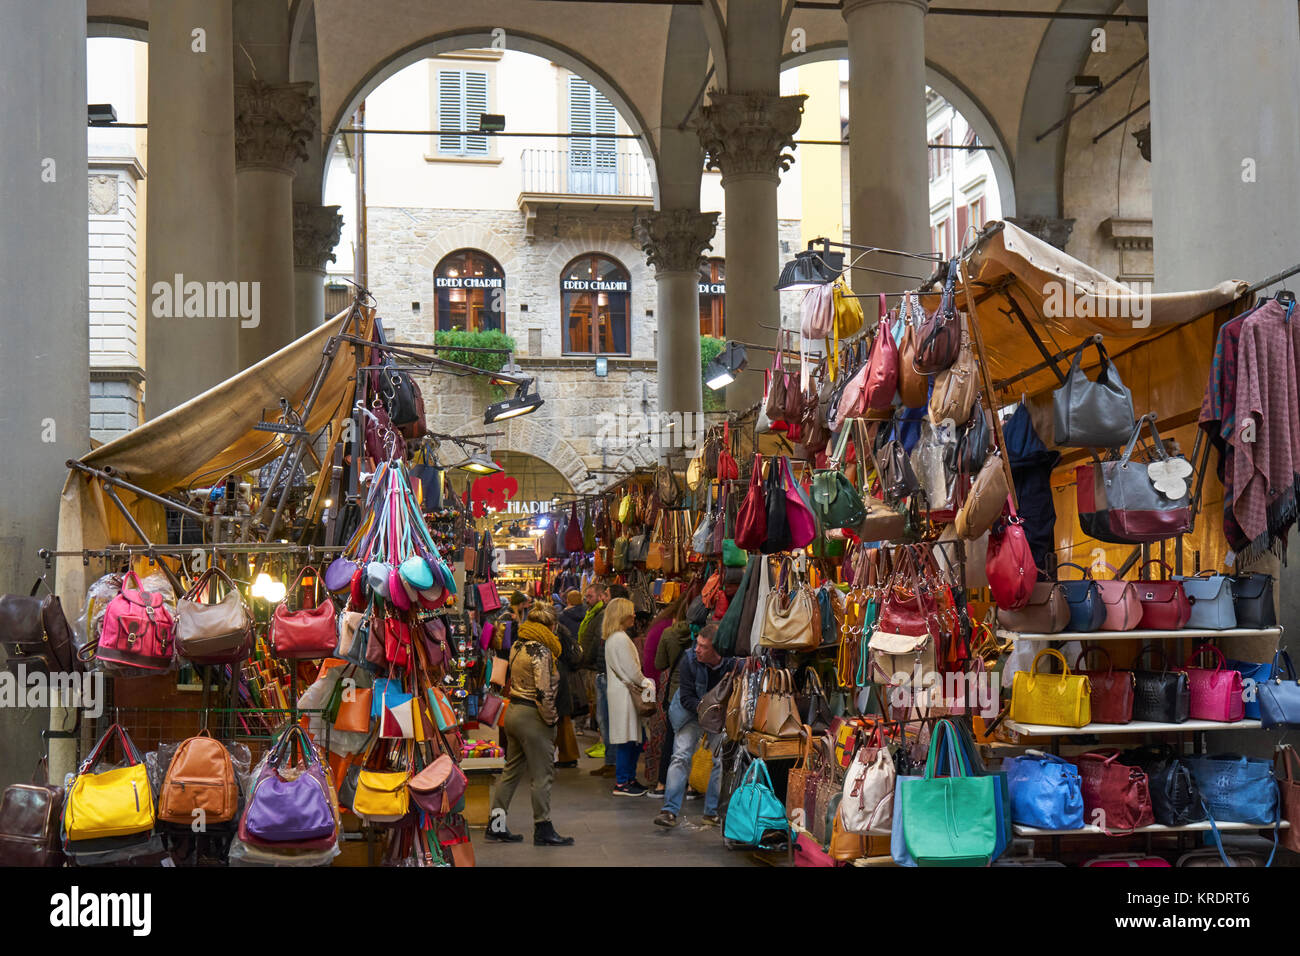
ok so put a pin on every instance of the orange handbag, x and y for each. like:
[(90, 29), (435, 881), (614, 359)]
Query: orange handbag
[(354, 715)]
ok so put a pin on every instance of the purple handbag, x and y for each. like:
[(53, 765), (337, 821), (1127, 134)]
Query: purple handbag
[(338, 576), (290, 810)]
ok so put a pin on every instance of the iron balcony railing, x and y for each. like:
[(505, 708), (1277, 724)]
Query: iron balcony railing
[(597, 171)]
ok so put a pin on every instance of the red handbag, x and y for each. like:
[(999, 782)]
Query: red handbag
[(573, 536), (751, 521), (1120, 792), (728, 470), (1164, 603), (1112, 690), (306, 634), (1216, 694), (1010, 564), (488, 598), (881, 384), (397, 642)]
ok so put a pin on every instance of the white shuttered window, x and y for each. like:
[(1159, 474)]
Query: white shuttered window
[(462, 98)]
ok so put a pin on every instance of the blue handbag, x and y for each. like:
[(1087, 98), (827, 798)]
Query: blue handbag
[(1278, 699), (824, 605), (1046, 791), (1253, 674), (1211, 597), (754, 809), (1087, 611), (1237, 789), (382, 686)]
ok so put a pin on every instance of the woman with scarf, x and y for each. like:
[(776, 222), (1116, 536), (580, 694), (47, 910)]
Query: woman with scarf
[(532, 681)]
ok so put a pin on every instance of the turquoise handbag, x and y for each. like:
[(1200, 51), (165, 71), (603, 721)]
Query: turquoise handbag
[(950, 821), (754, 810)]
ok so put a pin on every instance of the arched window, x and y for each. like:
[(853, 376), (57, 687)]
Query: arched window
[(469, 292), (713, 295), (596, 293)]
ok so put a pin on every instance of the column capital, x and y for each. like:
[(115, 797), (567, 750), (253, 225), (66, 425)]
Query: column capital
[(747, 134), (674, 240), (853, 6), (1053, 230), (316, 231), (272, 124)]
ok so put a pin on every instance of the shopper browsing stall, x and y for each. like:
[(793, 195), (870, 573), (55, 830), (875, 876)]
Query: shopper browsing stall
[(629, 693)]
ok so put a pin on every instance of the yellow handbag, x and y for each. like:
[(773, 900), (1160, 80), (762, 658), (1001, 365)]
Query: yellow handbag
[(848, 312), (701, 767), (117, 802), (382, 797), (1057, 700), (626, 510)]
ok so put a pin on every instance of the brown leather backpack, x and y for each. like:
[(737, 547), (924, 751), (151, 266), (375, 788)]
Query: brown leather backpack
[(201, 776)]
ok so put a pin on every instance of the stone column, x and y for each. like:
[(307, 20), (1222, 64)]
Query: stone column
[(190, 218), (272, 125), (45, 355), (745, 135), (316, 231), (674, 241), (889, 193)]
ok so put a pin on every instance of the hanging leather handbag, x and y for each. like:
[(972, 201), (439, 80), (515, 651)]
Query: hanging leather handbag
[(813, 707), (1252, 601), (868, 796), (30, 820), (1123, 607), (110, 803), (1175, 800), (440, 787), (35, 632), (1112, 690), (1087, 610), (1216, 694), (1210, 596), (1161, 696), (939, 337), (817, 312), (913, 387), (1057, 700), (1088, 414), (1046, 611), (1279, 697), (1115, 795), (1010, 563), (848, 311), (219, 632), (955, 387), (712, 709), (985, 500), (138, 630), (775, 713), (974, 441), (778, 382), (798, 510), (1288, 784), (308, 633), (778, 537), (291, 805), (201, 777), (791, 616), (1147, 502), (836, 502), (1164, 603), (751, 520), (893, 465), (881, 384), (754, 812), (1046, 791)]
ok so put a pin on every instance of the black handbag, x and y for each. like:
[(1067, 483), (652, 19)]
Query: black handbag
[(1087, 610), (1163, 696), (1175, 799), (897, 479), (778, 523), (1252, 600), (814, 709), (973, 444)]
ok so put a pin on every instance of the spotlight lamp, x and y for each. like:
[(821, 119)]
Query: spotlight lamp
[(722, 371), (480, 464), (523, 402), (810, 269)]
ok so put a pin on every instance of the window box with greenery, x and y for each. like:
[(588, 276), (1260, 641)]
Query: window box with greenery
[(711, 348), (450, 344)]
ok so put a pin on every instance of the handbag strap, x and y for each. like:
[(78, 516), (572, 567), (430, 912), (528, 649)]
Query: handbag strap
[(1221, 662), (129, 749), (1142, 571), (1050, 652), (1088, 649), (1281, 656), (1148, 648), (1087, 572)]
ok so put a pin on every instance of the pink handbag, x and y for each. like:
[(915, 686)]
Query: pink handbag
[(1216, 694), (881, 384), (1123, 607), (807, 852), (803, 526), (137, 629)]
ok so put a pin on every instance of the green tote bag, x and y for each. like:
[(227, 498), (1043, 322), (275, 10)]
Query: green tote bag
[(950, 821)]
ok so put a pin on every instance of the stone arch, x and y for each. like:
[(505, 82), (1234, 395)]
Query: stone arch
[(469, 235), (962, 99), (531, 436), (519, 41), (122, 27)]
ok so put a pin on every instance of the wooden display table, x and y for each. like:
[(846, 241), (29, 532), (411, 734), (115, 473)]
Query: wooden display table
[(479, 772)]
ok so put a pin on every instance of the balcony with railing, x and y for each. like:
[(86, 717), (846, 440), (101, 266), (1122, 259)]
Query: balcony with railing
[(575, 178)]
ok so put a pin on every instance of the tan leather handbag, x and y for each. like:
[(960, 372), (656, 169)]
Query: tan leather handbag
[(985, 500), (219, 631), (913, 387), (845, 846), (776, 713), (955, 387), (1046, 613), (791, 615)]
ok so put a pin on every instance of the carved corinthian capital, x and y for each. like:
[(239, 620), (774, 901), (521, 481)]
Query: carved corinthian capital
[(272, 124), (674, 240), (316, 231), (748, 133)]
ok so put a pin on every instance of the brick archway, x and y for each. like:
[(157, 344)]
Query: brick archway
[(532, 437)]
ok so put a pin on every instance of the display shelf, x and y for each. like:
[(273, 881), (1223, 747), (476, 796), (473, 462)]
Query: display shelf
[(1155, 828), (1134, 727), (1187, 632)]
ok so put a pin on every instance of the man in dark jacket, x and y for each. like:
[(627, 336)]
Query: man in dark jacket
[(699, 671), (570, 701)]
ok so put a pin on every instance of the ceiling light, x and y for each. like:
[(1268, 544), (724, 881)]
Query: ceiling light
[(522, 403), (101, 114), (722, 371), (480, 464), (809, 270), (491, 122)]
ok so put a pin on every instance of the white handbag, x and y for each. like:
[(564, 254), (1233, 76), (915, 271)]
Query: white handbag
[(868, 800)]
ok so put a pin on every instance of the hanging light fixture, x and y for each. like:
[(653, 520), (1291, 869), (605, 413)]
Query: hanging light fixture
[(480, 464), (522, 403), (722, 371), (810, 269)]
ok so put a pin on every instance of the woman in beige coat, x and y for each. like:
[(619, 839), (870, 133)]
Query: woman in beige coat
[(626, 683)]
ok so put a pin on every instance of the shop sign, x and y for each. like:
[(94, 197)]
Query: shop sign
[(530, 507), (713, 288), (594, 285), (469, 282)]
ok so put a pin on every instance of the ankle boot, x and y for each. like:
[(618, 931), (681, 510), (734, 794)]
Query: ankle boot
[(503, 836), (544, 835)]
